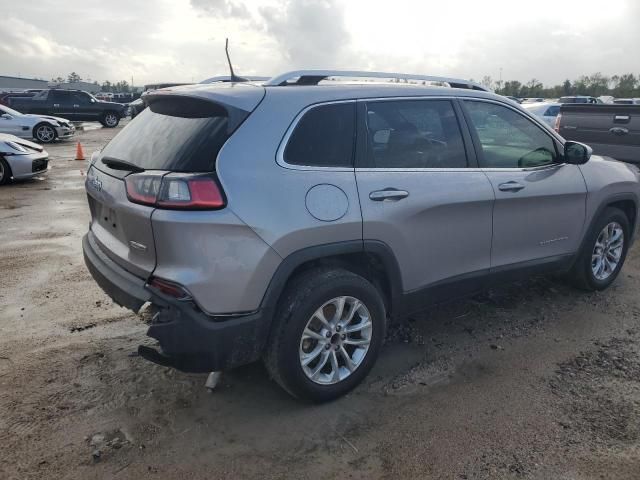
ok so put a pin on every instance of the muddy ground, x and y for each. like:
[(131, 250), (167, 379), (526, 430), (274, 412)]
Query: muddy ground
[(531, 381)]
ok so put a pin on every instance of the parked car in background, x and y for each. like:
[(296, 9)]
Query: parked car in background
[(43, 128), (547, 111), (627, 101), (136, 107), (382, 199), (611, 130), (578, 99), (21, 159), (75, 105)]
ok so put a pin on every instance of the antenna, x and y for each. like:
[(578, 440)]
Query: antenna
[(234, 77)]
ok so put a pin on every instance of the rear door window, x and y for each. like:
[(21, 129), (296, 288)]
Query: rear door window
[(324, 137), (180, 135), (413, 134)]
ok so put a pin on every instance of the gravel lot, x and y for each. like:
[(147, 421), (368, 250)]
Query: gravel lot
[(530, 381)]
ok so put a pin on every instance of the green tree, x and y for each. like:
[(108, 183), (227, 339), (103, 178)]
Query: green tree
[(122, 86), (74, 77), (625, 85), (487, 82), (106, 86), (511, 88)]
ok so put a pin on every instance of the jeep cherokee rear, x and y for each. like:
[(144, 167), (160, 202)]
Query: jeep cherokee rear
[(288, 222)]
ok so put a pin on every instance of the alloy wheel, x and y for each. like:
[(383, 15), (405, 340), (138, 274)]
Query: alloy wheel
[(45, 133), (335, 340), (607, 251), (111, 120)]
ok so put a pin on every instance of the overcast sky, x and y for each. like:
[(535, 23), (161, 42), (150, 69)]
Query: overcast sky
[(183, 40)]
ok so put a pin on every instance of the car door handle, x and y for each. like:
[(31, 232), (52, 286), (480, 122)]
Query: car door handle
[(388, 194), (510, 187), (56, 104), (619, 131), (75, 105)]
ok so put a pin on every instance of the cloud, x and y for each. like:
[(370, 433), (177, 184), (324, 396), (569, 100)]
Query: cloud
[(310, 33), (181, 40), (222, 8)]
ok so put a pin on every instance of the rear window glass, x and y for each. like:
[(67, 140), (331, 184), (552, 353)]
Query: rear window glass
[(181, 135), (324, 137)]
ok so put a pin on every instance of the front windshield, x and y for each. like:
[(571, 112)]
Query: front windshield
[(10, 111)]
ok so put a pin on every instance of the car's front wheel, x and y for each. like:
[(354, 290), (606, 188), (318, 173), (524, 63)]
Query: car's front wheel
[(110, 120), (327, 333), (44, 133), (604, 251)]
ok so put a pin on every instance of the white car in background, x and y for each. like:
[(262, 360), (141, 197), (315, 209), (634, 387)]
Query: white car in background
[(43, 128), (547, 111), (21, 159)]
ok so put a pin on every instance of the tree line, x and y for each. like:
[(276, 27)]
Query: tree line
[(595, 85), (107, 86)]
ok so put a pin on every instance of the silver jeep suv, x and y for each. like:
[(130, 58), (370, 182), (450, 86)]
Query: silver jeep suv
[(287, 221)]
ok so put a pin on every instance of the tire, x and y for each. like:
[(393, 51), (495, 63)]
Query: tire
[(5, 172), (110, 119), (44, 133), (305, 296), (584, 274)]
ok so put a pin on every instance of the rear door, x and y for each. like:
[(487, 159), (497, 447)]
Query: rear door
[(121, 228), (539, 210), (174, 135), (420, 193), (61, 104)]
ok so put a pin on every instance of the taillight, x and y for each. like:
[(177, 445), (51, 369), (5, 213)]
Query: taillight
[(175, 191), (556, 127)]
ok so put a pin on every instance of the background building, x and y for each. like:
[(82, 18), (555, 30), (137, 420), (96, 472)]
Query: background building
[(10, 84)]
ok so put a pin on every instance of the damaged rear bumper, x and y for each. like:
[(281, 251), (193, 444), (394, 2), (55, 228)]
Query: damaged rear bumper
[(190, 340)]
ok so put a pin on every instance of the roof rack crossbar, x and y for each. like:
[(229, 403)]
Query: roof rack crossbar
[(313, 77)]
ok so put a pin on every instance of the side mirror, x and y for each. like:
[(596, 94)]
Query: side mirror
[(6, 116), (577, 153)]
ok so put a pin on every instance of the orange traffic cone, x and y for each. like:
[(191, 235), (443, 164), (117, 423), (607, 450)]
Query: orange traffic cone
[(79, 152)]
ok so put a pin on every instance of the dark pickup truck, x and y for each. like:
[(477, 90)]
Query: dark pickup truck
[(611, 130), (74, 105)]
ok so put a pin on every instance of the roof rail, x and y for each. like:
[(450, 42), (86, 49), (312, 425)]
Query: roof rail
[(313, 77)]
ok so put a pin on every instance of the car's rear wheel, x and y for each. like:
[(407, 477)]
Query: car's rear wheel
[(110, 120), (603, 252), (44, 133), (5, 171), (328, 331)]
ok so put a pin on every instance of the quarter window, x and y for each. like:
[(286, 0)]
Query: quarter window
[(508, 139), (413, 134), (324, 137)]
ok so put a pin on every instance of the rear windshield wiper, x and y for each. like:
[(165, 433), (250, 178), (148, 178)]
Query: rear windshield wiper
[(117, 164)]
